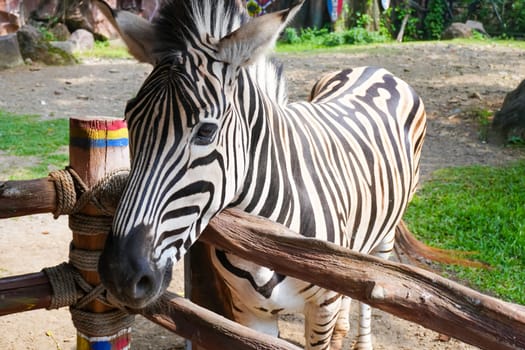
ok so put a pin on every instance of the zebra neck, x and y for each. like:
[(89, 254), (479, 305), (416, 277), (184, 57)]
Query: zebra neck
[(267, 190)]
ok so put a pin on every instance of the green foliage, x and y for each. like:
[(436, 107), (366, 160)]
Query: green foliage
[(290, 36), (516, 141), (515, 17), (31, 136), (325, 38), (362, 20), (477, 209), (502, 18), (106, 49), (47, 35), (483, 118), (412, 30), (434, 22)]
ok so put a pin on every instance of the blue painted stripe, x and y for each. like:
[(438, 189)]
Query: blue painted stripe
[(97, 143), (101, 345)]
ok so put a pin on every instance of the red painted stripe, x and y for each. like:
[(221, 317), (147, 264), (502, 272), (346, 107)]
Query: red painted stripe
[(98, 124)]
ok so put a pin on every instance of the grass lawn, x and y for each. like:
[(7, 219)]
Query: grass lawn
[(480, 209), (44, 140)]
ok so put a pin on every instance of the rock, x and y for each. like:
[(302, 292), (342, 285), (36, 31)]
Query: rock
[(67, 46), (103, 28), (83, 40), (475, 95), (9, 22), (60, 32), (457, 30), (477, 26), (33, 46), (7, 28), (509, 121), (10, 55)]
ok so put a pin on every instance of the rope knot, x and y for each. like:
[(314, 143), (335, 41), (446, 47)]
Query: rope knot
[(73, 194)]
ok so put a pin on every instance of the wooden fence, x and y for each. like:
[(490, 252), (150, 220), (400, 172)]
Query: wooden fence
[(88, 192)]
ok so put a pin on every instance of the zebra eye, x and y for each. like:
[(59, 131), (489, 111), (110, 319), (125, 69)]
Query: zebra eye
[(205, 134)]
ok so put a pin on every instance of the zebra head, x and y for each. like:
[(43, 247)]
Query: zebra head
[(188, 135)]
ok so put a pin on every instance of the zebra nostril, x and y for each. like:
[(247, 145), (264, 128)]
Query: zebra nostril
[(144, 287)]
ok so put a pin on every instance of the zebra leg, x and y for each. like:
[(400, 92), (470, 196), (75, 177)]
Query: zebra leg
[(342, 325), (263, 322), (320, 319), (364, 339)]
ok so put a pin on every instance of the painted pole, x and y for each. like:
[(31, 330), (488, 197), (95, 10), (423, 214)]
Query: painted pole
[(97, 147)]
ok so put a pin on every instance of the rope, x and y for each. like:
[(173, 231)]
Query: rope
[(69, 287), (65, 190), (101, 324), (89, 225), (82, 259), (73, 194), (62, 280)]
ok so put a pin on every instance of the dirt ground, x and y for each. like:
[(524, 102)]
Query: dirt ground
[(454, 81)]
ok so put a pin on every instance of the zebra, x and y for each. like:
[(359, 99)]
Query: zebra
[(211, 128)]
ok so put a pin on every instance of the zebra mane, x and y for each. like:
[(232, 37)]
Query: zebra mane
[(181, 24)]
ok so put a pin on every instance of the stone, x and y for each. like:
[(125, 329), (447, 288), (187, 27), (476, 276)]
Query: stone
[(33, 46), (60, 32), (67, 46), (10, 55), (83, 40), (457, 30), (9, 22), (477, 26), (509, 121)]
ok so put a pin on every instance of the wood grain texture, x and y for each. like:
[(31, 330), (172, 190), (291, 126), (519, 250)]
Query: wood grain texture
[(408, 292)]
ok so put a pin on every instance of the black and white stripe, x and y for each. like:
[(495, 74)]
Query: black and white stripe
[(341, 167)]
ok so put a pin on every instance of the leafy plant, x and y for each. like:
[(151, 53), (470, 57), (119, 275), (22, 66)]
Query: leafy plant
[(483, 117), (47, 35), (290, 36), (516, 141), (324, 38), (412, 30), (363, 20), (434, 22)]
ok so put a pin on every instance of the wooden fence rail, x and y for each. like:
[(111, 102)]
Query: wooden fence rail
[(405, 291)]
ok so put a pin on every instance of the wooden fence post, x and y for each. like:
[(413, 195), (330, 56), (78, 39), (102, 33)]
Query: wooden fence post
[(202, 285), (97, 147)]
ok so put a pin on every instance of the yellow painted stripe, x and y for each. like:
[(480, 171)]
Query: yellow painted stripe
[(99, 134)]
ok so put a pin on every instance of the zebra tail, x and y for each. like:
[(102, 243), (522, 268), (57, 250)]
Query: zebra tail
[(417, 252)]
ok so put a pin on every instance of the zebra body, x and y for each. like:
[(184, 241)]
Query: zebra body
[(211, 128), (346, 144)]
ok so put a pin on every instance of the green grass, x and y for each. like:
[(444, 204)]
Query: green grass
[(310, 39), (44, 140), (479, 209), (370, 47), (105, 49)]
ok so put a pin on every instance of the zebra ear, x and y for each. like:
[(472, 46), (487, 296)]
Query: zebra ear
[(137, 33), (246, 44)]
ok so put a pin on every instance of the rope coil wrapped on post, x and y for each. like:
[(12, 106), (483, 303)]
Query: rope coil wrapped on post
[(69, 287), (73, 194)]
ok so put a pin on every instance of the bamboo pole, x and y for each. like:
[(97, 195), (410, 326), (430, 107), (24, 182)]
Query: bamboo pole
[(97, 147)]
